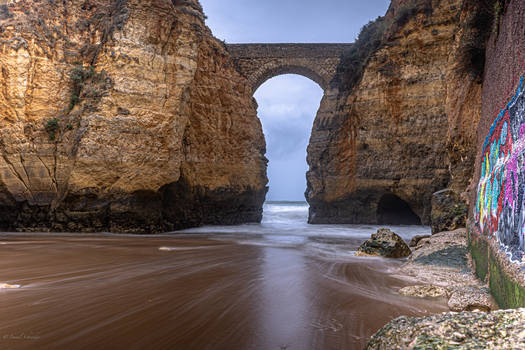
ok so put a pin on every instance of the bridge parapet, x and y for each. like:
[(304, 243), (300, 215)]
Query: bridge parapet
[(260, 62)]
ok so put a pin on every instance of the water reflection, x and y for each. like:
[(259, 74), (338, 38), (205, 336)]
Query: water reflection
[(285, 303), (237, 290)]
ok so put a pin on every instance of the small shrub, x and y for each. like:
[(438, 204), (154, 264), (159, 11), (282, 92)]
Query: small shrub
[(370, 39), (499, 6), (86, 77), (73, 101), (52, 128), (404, 14), (476, 32), (4, 12), (354, 61)]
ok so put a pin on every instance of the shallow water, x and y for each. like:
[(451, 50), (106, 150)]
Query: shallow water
[(282, 284)]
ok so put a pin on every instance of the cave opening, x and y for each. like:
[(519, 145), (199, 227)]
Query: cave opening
[(392, 210)]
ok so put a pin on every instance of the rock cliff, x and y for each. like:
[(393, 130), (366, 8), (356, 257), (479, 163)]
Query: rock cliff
[(123, 116), (388, 137)]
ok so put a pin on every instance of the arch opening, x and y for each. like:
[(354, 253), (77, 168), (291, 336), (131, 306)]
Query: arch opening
[(288, 105), (392, 210), (268, 73)]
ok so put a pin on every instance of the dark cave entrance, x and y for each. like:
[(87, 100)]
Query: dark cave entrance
[(393, 210)]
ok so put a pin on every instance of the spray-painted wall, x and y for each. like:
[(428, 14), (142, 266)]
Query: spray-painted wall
[(496, 224), (500, 207)]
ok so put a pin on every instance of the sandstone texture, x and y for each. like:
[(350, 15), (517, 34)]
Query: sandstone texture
[(123, 116), (405, 130), (384, 243)]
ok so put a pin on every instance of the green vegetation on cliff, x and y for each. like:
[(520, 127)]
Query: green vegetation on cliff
[(354, 62), (371, 38)]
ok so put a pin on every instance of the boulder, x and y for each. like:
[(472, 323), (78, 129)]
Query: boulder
[(424, 291), (416, 239), (384, 243)]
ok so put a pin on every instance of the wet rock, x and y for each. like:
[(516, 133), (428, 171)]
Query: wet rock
[(470, 299), (416, 239), (454, 256), (441, 261), (449, 212), (384, 243), (424, 291), (503, 329)]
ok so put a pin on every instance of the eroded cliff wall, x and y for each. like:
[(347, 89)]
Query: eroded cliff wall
[(123, 116), (395, 137)]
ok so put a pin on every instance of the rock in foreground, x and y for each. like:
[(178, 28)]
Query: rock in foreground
[(424, 291), (439, 267), (385, 243), (503, 329)]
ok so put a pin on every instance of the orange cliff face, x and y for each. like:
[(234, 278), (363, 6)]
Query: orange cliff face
[(401, 133), (123, 116)]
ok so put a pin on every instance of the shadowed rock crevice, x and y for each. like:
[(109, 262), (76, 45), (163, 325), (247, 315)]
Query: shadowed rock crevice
[(175, 206), (393, 210)]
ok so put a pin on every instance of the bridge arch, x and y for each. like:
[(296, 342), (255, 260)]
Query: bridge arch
[(260, 62), (268, 72)]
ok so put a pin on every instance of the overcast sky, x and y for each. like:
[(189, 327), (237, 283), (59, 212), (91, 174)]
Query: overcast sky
[(288, 103)]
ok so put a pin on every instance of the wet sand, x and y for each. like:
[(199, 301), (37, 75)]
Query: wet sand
[(195, 292)]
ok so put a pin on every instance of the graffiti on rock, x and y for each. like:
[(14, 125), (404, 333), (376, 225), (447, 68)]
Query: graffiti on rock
[(500, 206)]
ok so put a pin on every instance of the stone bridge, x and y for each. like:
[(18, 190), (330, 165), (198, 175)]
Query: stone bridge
[(260, 62)]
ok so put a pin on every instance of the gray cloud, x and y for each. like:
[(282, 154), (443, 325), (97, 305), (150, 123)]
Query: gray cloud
[(290, 20)]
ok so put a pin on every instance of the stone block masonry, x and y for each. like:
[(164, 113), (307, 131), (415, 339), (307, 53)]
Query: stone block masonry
[(260, 62)]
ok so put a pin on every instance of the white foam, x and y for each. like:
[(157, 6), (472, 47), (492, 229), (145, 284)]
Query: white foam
[(9, 286), (291, 219)]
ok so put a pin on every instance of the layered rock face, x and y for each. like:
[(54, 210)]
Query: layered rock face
[(123, 116), (383, 143)]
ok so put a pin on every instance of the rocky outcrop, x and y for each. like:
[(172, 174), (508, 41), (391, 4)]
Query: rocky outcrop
[(384, 243), (123, 116), (449, 212), (381, 143), (466, 330), (439, 267)]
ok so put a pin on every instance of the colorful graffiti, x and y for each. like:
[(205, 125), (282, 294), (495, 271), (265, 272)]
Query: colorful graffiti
[(500, 205)]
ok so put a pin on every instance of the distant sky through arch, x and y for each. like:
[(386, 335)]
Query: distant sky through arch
[(287, 108), (289, 99)]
